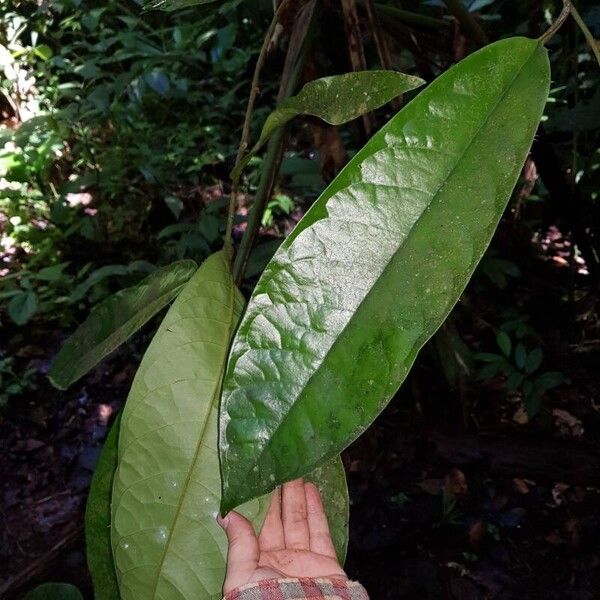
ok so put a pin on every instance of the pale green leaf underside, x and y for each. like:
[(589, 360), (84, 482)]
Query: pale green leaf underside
[(166, 493), (374, 268), (97, 520), (115, 320), (336, 100)]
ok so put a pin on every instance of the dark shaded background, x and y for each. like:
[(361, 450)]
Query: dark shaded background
[(482, 478)]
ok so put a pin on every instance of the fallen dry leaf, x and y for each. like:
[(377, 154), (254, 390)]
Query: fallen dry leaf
[(567, 423), (521, 417), (522, 486)]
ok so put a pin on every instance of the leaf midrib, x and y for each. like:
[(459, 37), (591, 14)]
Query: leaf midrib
[(214, 398), (294, 405)]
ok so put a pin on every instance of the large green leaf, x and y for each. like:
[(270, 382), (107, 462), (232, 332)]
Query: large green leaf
[(373, 269), (97, 520), (166, 493), (116, 319), (336, 100), (54, 591)]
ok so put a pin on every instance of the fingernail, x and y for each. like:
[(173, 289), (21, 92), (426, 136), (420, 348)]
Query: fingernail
[(223, 521)]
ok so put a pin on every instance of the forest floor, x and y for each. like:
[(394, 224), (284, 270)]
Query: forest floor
[(501, 510)]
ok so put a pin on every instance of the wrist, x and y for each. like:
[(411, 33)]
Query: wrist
[(336, 587)]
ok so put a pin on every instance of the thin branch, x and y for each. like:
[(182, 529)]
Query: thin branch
[(298, 48), (567, 8), (591, 40), (248, 118), (39, 566)]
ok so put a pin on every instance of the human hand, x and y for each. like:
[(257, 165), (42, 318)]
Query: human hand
[(294, 541)]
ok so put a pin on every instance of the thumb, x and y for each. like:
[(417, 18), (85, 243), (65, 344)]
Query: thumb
[(243, 554)]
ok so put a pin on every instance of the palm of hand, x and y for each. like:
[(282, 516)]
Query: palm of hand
[(294, 541), (296, 563)]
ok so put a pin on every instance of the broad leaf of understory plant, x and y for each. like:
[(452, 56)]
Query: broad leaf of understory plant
[(54, 591), (23, 306), (166, 492), (335, 100), (97, 520), (342, 310), (115, 320)]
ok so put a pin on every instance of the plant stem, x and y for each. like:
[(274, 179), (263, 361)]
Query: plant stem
[(248, 118), (273, 155), (270, 168), (594, 44), (564, 13), (468, 22)]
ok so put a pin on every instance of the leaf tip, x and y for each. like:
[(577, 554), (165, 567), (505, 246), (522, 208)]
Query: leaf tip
[(57, 382)]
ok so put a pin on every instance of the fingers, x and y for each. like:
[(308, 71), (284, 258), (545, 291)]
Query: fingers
[(294, 516), (271, 536), (243, 554), (320, 537)]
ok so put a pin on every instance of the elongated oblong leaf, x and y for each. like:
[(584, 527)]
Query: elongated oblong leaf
[(97, 520), (336, 100), (115, 320), (166, 493), (370, 273)]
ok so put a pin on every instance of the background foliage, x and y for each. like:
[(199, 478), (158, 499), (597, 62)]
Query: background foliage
[(118, 131)]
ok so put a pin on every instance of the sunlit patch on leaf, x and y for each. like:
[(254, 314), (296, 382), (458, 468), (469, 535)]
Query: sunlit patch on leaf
[(373, 269)]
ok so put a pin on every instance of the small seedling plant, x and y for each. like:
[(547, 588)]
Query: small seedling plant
[(234, 398)]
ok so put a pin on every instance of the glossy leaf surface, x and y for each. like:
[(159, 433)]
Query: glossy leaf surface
[(166, 493), (371, 272), (336, 100), (97, 520), (115, 320)]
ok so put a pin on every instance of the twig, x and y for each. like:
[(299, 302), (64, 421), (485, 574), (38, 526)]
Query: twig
[(248, 118), (591, 40), (564, 13), (587, 346), (39, 565)]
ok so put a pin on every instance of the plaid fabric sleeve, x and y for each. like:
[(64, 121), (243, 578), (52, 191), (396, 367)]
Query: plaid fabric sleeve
[(300, 589)]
